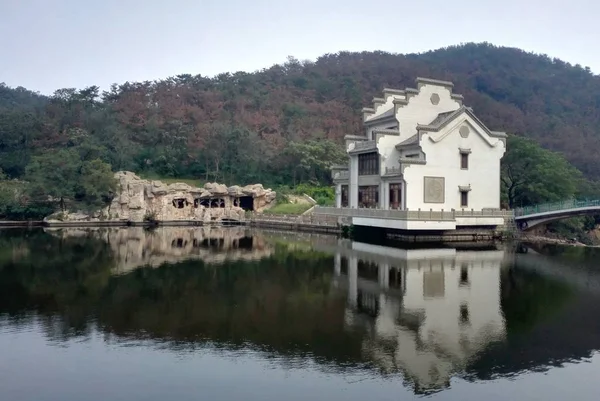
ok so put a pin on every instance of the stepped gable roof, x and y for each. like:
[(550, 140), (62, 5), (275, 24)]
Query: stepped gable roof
[(443, 119), (410, 141), (386, 114)]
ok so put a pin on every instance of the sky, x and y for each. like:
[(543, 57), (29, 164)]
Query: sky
[(50, 44)]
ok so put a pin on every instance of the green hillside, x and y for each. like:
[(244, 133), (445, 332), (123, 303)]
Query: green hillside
[(239, 127)]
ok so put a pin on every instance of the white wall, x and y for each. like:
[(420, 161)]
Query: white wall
[(419, 110), (398, 224), (443, 160)]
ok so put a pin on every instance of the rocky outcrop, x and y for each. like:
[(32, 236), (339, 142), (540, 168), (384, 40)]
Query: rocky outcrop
[(141, 200)]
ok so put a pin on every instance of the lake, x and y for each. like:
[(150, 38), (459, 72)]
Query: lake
[(214, 313)]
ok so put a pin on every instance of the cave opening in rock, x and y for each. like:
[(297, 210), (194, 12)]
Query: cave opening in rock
[(245, 243), (201, 202), (179, 203), (217, 202), (216, 242), (246, 203), (179, 243)]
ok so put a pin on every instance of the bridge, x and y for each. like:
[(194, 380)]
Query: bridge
[(531, 216)]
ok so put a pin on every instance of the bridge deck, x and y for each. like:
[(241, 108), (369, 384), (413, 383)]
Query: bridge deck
[(531, 216), (559, 213)]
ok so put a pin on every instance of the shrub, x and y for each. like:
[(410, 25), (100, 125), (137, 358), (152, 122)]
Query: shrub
[(315, 191), (324, 201)]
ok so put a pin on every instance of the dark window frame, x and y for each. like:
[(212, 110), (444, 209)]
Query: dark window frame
[(464, 198), (368, 163), (464, 161)]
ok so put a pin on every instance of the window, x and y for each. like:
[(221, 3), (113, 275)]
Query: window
[(464, 161), (368, 163), (368, 196), (464, 198), (344, 195)]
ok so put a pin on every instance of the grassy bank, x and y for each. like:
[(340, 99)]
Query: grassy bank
[(289, 208)]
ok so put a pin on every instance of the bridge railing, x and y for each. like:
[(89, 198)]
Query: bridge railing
[(556, 206)]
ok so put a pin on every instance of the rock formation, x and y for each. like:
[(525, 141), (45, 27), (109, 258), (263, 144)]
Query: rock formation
[(141, 200)]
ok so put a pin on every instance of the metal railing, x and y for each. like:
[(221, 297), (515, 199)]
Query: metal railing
[(555, 207), (433, 215)]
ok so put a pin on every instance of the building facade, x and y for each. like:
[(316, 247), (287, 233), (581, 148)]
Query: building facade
[(422, 149)]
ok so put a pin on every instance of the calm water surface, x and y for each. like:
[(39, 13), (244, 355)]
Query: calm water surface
[(229, 313)]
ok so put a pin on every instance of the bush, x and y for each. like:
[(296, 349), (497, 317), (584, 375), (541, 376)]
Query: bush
[(324, 201), (32, 211), (315, 192)]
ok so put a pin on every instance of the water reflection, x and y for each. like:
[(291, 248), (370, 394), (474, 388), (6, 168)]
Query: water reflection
[(136, 247), (428, 312), (422, 316)]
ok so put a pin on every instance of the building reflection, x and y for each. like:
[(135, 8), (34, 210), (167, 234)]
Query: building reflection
[(135, 247), (428, 312)]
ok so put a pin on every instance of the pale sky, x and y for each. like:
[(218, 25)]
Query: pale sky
[(51, 44)]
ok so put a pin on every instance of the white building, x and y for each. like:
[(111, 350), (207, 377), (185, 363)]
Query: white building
[(422, 149)]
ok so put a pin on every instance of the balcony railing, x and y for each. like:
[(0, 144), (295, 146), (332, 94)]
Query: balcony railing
[(393, 171), (364, 145), (432, 215), (340, 175)]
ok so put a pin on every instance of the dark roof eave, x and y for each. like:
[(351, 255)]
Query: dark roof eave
[(416, 146), (365, 150), (457, 112)]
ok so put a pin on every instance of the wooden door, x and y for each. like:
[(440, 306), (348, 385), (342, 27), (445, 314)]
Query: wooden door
[(395, 196)]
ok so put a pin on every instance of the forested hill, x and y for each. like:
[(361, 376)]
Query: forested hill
[(238, 127)]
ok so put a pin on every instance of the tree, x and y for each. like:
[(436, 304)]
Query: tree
[(63, 176), (240, 126), (313, 158), (53, 174), (532, 174), (96, 184)]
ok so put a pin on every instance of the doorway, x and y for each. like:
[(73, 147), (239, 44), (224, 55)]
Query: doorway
[(395, 196)]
